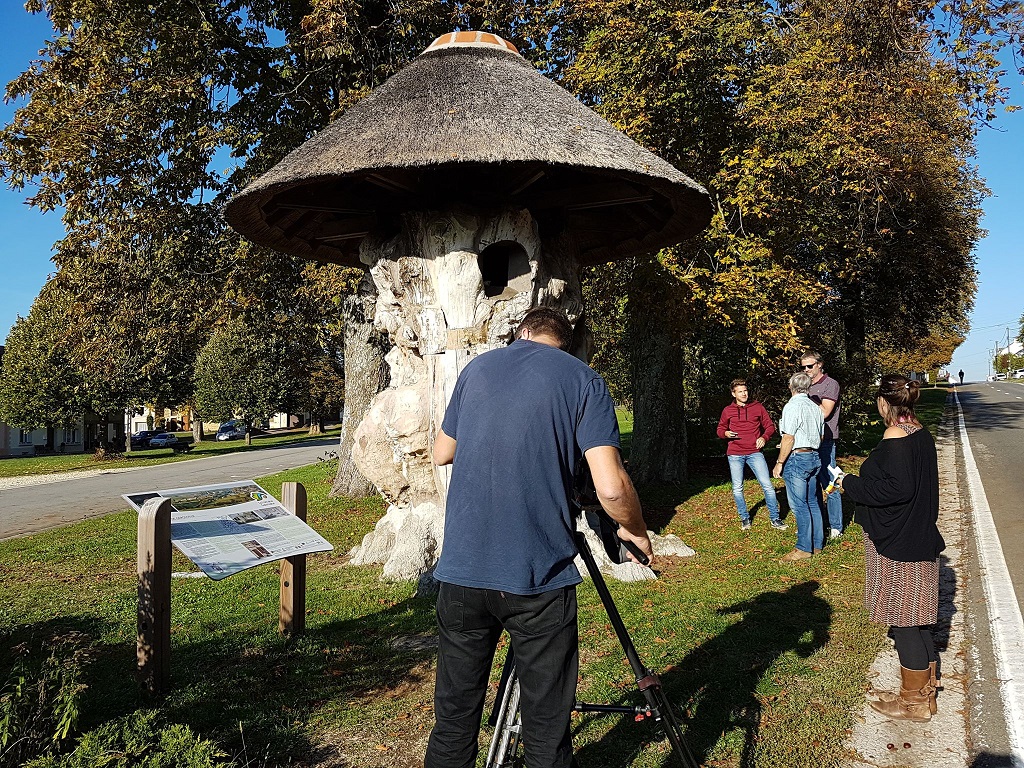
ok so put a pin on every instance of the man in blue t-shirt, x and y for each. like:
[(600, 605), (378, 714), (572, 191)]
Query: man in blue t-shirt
[(518, 422)]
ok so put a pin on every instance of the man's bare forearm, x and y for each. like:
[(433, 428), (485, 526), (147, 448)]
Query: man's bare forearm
[(615, 490)]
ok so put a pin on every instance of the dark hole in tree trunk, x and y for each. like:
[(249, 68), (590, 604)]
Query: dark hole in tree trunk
[(505, 267)]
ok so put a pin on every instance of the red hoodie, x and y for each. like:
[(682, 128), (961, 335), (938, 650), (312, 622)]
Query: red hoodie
[(750, 422)]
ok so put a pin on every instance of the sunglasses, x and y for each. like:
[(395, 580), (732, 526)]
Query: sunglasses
[(808, 367)]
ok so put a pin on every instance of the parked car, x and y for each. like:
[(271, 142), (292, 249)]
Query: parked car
[(163, 440), (1019, 373), (141, 438), (1000, 377), (231, 430)]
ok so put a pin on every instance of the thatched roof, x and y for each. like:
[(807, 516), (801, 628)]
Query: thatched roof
[(470, 121)]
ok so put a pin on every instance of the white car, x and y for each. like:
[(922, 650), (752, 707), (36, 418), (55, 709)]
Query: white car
[(163, 440), (997, 377), (1019, 373)]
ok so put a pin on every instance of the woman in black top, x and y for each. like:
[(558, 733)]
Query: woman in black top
[(897, 494)]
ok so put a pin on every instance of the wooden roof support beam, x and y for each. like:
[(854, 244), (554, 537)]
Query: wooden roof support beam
[(588, 196)]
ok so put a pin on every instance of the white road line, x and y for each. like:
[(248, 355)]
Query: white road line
[(1005, 619)]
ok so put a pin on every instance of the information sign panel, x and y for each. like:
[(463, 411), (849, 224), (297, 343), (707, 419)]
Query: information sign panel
[(228, 527)]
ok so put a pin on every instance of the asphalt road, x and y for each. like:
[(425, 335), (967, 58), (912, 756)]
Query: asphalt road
[(994, 415), (994, 419), (40, 507)]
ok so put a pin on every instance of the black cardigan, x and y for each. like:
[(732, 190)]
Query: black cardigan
[(898, 489)]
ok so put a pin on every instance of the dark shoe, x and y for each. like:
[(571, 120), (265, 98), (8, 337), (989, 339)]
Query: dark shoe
[(914, 702), (778, 525), (795, 556)]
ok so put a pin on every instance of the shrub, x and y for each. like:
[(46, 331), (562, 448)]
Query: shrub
[(139, 740), (39, 702)]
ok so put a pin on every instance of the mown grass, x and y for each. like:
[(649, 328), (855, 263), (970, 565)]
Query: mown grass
[(42, 465), (766, 661)]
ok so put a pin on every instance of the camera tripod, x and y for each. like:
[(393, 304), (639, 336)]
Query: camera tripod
[(505, 749)]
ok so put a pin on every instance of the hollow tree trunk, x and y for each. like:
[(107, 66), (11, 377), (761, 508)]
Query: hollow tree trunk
[(439, 312), (366, 374), (658, 448)]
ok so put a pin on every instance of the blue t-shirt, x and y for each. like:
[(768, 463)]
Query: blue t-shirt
[(521, 416)]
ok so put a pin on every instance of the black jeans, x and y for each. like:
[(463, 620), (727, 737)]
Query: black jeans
[(546, 645)]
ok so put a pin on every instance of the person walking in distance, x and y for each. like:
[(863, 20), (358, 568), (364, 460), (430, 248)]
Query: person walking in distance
[(798, 464), (825, 392), (748, 427), (897, 496), (961, 375), (518, 422)]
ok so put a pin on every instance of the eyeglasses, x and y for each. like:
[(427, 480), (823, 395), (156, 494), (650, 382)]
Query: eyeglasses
[(808, 367)]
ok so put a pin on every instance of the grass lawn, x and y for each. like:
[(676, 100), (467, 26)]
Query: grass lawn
[(767, 662), (41, 465)]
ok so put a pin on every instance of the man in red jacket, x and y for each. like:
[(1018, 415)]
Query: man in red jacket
[(747, 426)]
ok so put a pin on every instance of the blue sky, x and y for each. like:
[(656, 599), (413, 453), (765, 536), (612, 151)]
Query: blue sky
[(26, 246)]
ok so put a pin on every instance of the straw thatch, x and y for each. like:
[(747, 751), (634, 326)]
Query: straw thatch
[(473, 125)]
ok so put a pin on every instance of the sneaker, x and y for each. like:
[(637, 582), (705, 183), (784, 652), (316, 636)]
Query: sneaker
[(835, 533), (778, 525), (745, 525)]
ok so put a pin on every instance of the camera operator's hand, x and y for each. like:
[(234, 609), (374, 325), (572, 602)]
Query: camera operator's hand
[(643, 543)]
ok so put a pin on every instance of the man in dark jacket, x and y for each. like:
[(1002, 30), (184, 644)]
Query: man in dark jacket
[(748, 427)]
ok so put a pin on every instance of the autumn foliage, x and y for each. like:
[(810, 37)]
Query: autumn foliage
[(836, 138)]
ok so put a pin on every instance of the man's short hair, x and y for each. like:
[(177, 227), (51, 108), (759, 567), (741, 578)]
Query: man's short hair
[(737, 383), (545, 321), (811, 353), (799, 382)]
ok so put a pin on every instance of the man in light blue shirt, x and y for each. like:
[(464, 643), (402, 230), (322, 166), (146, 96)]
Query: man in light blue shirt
[(802, 424)]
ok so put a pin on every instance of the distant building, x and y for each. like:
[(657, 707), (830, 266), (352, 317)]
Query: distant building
[(1015, 348)]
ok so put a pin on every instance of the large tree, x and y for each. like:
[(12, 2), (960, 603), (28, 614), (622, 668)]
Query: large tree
[(40, 385), (836, 139)]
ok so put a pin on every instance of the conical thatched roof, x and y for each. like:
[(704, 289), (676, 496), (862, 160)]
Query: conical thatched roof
[(470, 121)]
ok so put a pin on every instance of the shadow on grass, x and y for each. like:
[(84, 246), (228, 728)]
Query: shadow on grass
[(253, 694), (717, 683), (76, 643), (257, 697)]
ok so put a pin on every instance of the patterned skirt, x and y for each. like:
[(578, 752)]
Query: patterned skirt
[(900, 594)]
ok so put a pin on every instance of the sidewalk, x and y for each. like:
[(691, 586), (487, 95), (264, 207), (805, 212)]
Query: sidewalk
[(943, 742)]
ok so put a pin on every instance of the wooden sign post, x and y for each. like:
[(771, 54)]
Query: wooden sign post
[(154, 617), (154, 569), (292, 612)]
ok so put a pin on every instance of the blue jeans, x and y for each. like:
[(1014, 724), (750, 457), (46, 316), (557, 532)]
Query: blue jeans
[(801, 475), (759, 467), (544, 637), (834, 501)]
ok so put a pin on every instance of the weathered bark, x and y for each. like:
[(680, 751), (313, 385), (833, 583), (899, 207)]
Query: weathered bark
[(443, 297), (365, 375), (197, 428), (658, 448)]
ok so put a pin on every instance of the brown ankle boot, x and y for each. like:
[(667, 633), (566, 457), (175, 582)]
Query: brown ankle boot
[(893, 695), (915, 699)]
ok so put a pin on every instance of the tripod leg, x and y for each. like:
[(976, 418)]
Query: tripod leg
[(648, 682), (504, 747), (666, 715)]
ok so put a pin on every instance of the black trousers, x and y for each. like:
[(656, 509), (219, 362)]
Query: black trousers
[(546, 644)]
